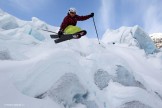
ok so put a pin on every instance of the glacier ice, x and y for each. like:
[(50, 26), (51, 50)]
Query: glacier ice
[(68, 90), (144, 40), (126, 78), (133, 36), (33, 32)]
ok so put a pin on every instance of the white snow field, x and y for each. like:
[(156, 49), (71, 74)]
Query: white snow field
[(124, 71)]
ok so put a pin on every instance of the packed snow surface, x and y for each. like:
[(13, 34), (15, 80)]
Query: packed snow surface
[(124, 71)]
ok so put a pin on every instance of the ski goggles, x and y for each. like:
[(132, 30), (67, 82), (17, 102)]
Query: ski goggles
[(72, 12)]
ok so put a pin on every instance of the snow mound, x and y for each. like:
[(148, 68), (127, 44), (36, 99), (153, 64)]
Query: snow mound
[(8, 22), (38, 23), (140, 97), (68, 90), (133, 36)]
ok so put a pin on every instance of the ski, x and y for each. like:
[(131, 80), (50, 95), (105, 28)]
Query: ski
[(63, 38), (68, 36)]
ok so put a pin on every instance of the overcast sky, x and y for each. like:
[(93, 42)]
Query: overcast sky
[(109, 14)]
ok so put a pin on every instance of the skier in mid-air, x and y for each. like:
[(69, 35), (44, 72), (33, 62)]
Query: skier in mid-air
[(68, 25)]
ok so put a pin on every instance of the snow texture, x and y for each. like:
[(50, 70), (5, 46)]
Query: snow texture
[(102, 78)]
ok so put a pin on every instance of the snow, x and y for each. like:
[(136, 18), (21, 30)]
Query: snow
[(156, 35), (133, 36), (124, 71)]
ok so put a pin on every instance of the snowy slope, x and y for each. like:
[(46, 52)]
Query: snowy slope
[(35, 72)]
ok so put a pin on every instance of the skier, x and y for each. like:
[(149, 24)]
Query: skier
[(68, 25)]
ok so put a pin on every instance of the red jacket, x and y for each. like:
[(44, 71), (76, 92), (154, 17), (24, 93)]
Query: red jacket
[(68, 20)]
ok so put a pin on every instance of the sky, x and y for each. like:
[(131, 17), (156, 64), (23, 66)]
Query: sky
[(109, 14)]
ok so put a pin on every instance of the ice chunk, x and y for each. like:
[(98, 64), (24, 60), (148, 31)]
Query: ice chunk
[(125, 77), (33, 32), (68, 90), (144, 40), (36, 35), (133, 36)]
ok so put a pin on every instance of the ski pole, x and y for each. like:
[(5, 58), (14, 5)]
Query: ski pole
[(96, 30), (48, 31)]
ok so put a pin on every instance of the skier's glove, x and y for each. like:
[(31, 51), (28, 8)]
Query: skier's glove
[(92, 15), (60, 33)]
